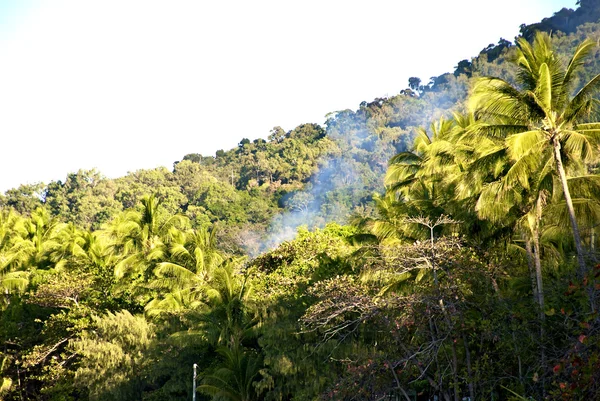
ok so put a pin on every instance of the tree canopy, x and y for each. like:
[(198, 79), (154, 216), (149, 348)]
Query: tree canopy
[(441, 243)]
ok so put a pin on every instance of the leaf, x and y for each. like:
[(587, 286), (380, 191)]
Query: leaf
[(6, 385), (575, 110), (543, 91), (421, 274), (583, 50)]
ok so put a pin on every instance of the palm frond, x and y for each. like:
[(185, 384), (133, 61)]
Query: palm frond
[(543, 90), (493, 131), (587, 212), (14, 281), (495, 201), (522, 171), (592, 130), (579, 146), (586, 186), (176, 273), (525, 143), (582, 51), (405, 158), (575, 109)]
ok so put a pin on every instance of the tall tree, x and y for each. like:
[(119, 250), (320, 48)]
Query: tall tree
[(113, 356), (542, 112), (143, 236), (417, 176), (12, 233), (192, 263)]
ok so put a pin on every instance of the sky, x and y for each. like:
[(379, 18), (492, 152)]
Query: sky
[(123, 85)]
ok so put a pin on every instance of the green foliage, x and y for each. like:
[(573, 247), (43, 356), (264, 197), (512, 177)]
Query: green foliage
[(458, 281), (112, 356), (85, 198), (24, 199), (234, 380)]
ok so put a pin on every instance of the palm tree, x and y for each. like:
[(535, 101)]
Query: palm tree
[(97, 257), (143, 236), (234, 379), (12, 232), (193, 261), (71, 241), (26, 245), (416, 176), (232, 317), (220, 298), (388, 226), (195, 251), (230, 324), (41, 242), (416, 181), (222, 303), (428, 180), (542, 115), (515, 197), (527, 189)]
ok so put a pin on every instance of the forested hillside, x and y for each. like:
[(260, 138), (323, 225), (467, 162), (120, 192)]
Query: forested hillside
[(437, 244)]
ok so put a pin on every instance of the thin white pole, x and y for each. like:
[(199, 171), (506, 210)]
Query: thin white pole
[(194, 389)]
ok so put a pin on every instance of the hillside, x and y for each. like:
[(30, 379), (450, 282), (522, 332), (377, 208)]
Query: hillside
[(436, 244)]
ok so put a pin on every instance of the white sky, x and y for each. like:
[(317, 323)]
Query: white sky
[(121, 85)]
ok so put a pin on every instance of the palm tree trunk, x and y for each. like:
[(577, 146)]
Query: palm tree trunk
[(435, 277), (456, 386), (469, 368), (593, 244), (540, 287), (537, 253), (563, 180), (531, 265)]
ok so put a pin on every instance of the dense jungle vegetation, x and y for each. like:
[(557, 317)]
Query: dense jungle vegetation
[(437, 244)]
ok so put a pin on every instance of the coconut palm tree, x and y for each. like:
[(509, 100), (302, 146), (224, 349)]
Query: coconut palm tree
[(415, 175), (12, 232), (417, 179), (541, 116), (219, 298), (234, 379), (193, 261), (143, 237), (27, 244), (427, 181), (41, 241)]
